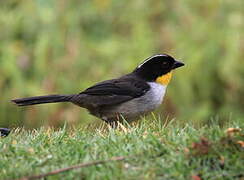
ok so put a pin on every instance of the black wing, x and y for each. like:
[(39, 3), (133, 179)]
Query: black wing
[(113, 92)]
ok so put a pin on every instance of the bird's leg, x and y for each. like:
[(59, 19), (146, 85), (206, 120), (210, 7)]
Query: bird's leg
[(112, 123), (117, 117)]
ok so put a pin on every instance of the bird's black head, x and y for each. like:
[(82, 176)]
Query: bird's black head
[(157, 68)]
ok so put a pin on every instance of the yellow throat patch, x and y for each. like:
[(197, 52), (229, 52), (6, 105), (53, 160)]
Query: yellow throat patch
[(164, 79)]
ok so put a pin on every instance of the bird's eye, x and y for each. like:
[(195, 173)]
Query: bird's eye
[(165, 63)]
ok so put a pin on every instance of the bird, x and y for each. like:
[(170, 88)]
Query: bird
[(128, 97), (4, 132)]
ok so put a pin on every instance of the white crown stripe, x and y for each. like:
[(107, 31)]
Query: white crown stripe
[(148, 59)]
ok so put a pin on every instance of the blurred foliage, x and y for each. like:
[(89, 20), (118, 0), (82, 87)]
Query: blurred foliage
[(61, 46)]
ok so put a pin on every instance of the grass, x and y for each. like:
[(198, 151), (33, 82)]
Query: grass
[(152, 150)]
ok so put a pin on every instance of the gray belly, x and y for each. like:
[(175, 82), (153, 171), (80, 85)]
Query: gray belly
[(137, 107)]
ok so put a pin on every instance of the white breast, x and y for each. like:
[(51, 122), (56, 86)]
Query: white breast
[(156, 92), (146, 103), (139, 106)]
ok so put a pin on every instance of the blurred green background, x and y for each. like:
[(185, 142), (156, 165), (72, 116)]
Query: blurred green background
[(62, 46)]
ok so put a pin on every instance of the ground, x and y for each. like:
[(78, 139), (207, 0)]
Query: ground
[(149, 149)]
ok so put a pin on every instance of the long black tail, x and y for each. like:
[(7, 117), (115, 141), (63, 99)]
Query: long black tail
[(42, 99)]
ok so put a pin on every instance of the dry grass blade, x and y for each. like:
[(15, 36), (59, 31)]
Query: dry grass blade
[(93, 163)]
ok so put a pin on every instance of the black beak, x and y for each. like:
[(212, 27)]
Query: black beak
[(177, 64)]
